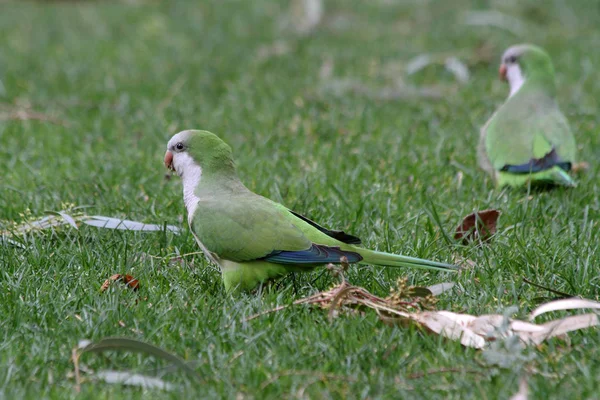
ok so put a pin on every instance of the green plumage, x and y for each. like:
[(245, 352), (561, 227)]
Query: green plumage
[(252, 238), (529, 128)]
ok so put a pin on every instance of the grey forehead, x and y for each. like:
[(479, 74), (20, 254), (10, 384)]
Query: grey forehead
[(515, 51), (178, 137)]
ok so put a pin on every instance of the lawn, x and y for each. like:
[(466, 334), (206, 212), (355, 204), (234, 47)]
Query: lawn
[(330, 122)]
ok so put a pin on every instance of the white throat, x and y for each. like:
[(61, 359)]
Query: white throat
[(515, 78), (191, 174)]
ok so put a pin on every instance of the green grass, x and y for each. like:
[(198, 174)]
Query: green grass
[(122, 78)]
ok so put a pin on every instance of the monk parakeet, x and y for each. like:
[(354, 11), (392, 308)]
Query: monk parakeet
[(250, 237), (528, 139)]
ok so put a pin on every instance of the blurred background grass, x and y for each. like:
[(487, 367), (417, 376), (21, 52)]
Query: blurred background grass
[(330, 120)]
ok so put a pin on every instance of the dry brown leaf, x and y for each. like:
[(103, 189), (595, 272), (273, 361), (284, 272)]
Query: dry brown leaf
[(405, 305), (346, 296), (477, 331), (580, 167), (127, 280), (480, 225), (450, 325)]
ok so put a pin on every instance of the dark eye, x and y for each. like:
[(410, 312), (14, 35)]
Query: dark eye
[(511, 59), (179, 146)]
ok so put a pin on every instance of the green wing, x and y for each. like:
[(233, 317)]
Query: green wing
[(246, 227), (528, 126)]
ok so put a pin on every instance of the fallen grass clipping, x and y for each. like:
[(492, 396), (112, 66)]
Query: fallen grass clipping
[(129, 378), (73, 217), (417, 305)]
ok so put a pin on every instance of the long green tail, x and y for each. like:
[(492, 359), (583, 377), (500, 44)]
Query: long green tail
[(553, 176), (396, 260)]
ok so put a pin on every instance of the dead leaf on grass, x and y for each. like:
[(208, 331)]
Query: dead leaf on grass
[(127, 280), (403, 306), (480, 225), (580, 167)]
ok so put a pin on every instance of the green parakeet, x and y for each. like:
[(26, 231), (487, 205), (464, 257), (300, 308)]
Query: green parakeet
[(251, 238), (528, 139)]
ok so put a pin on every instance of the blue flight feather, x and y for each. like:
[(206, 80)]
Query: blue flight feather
[(550, 160), (317, 254)]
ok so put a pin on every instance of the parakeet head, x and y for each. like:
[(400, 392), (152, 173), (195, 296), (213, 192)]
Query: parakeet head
[(197, 152), (526, 62)]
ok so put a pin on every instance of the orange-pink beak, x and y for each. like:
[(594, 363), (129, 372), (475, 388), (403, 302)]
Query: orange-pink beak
[(169, 160), (502, 72)]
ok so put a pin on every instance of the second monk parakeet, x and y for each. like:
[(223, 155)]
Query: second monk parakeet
[(250, 237), (528, 139)]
